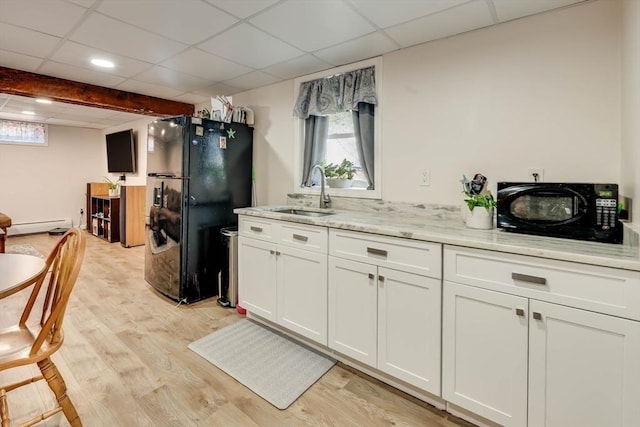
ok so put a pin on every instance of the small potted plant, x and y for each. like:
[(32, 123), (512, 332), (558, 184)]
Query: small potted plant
[(479, 201), (114, 187), (339, 176)]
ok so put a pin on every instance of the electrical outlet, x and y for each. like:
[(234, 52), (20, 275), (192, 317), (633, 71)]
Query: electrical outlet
[(425, 177), (535, 174)]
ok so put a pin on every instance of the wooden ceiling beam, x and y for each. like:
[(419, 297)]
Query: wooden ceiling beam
[(24, 83)]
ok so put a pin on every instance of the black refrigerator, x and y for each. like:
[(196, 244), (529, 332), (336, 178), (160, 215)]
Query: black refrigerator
[(198, 172)]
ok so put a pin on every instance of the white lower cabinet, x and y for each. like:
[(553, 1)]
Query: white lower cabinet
[(383, 317), (280, 280), (520, 361)]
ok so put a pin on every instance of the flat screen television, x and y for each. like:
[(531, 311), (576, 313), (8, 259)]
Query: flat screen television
[(121, 152)]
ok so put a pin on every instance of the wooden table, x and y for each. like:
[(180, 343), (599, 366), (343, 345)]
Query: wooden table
[(18, 271)]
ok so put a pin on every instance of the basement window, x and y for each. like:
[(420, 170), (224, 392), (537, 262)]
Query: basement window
[(23, 133)]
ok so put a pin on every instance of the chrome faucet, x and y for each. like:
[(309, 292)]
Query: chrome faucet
[(325, 199)]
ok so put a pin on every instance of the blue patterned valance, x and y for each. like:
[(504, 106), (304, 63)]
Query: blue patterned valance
[(337, 93)]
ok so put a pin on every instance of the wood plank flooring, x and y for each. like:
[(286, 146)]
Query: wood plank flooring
[(126, 363)]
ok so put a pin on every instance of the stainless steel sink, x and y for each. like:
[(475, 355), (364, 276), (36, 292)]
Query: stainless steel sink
[(303, 212)]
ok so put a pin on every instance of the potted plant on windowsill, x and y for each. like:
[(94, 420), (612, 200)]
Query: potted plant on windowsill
[(479, 203), (114, 187), (339, 176)]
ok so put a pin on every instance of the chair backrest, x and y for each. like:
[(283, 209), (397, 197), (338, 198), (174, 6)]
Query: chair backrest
[(62, 269)]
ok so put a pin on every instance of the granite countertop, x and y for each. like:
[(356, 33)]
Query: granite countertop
[(447, 227)]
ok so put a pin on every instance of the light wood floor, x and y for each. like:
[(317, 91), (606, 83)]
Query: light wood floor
[(126, 363)]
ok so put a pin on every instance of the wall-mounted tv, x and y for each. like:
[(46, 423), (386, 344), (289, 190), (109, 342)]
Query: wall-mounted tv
[(121, 152)]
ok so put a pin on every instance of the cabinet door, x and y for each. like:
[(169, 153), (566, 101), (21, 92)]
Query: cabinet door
[(257, 277), (302, 292), (353, 307), (484, 354), (409, 328), (584, 368)]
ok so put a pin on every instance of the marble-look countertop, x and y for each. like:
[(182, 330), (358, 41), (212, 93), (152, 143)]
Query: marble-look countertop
[(446, 226)]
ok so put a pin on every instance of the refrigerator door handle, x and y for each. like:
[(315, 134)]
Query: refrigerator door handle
[(192, 201)]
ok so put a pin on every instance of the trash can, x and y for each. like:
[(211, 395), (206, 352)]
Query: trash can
[(228, 278)]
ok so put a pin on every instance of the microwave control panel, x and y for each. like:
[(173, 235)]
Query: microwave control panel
[(606, 213)]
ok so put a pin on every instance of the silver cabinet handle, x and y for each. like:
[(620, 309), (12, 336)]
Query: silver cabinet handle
[(537, 315), (520, 311), (256, 229), (374, 251), (300, 237), (272, 252), (278, 253), (381, 278), (530, 279), (372, 276)]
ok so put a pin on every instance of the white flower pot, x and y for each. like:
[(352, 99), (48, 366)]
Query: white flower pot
[(114, 192), (339, 183), (480, 218)]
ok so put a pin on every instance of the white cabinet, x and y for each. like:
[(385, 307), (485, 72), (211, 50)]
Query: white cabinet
[(484, 353), (384, 317), (517, 360), (282, 274), (584, 368)]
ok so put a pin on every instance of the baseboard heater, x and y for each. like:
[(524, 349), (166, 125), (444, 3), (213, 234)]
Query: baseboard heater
[(38, 227)]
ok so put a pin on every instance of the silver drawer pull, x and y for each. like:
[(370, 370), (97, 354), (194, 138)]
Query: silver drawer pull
[(300, 237), (531, 279), (374, 251), (256, 229), (372, 276), (537, 315), (380, 278), (520, 311)]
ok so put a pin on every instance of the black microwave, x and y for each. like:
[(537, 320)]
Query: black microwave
[(571, 210)]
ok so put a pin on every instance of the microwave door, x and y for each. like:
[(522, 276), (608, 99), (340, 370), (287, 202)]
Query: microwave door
[(549, 208)]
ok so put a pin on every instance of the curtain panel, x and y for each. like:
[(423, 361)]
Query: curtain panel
[(338, 93)]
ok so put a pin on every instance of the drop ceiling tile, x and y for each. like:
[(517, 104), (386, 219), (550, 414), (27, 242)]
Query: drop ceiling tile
[(385, 13), (84, 3), (64, 71), (242, 8), (199, 63), (38, 14), (453, 21), (300, 66), (218, 89), (313, 25), (512, 9), (75, 123), (114, 36), (79, 55), (371, 45), (143, 88), (249, 46), (252, 80), (187, 21), (19, 61), (192, 98), (27, 42), (172, 78)]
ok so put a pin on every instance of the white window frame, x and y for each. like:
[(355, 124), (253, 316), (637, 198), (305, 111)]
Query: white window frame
[(29, 143), (298, 135)]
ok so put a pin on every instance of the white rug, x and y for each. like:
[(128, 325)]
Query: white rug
[(271, 365), (25, 249)]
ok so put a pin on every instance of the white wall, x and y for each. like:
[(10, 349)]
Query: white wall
[(49, 183), (631, 105), (542, 91)]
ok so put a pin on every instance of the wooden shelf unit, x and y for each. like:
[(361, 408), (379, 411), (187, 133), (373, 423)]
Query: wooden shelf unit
[(105, 218)]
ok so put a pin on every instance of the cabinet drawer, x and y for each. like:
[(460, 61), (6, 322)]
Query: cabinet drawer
[(307, 237), (413, 256), (600, 289), (258, 228)]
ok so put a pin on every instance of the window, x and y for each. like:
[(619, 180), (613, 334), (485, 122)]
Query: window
[(334, 132), (26, 133)]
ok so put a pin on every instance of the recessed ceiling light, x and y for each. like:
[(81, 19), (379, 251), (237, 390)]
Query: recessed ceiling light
[(43, 101), (102, 63), (31, 113)]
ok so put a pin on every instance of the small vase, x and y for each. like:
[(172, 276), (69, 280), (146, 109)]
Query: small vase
[(115, 192), (480, 218)]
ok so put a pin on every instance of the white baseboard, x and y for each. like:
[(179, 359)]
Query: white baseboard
[(38, 226)]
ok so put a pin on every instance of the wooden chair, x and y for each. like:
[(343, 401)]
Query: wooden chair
[(29, 342)]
